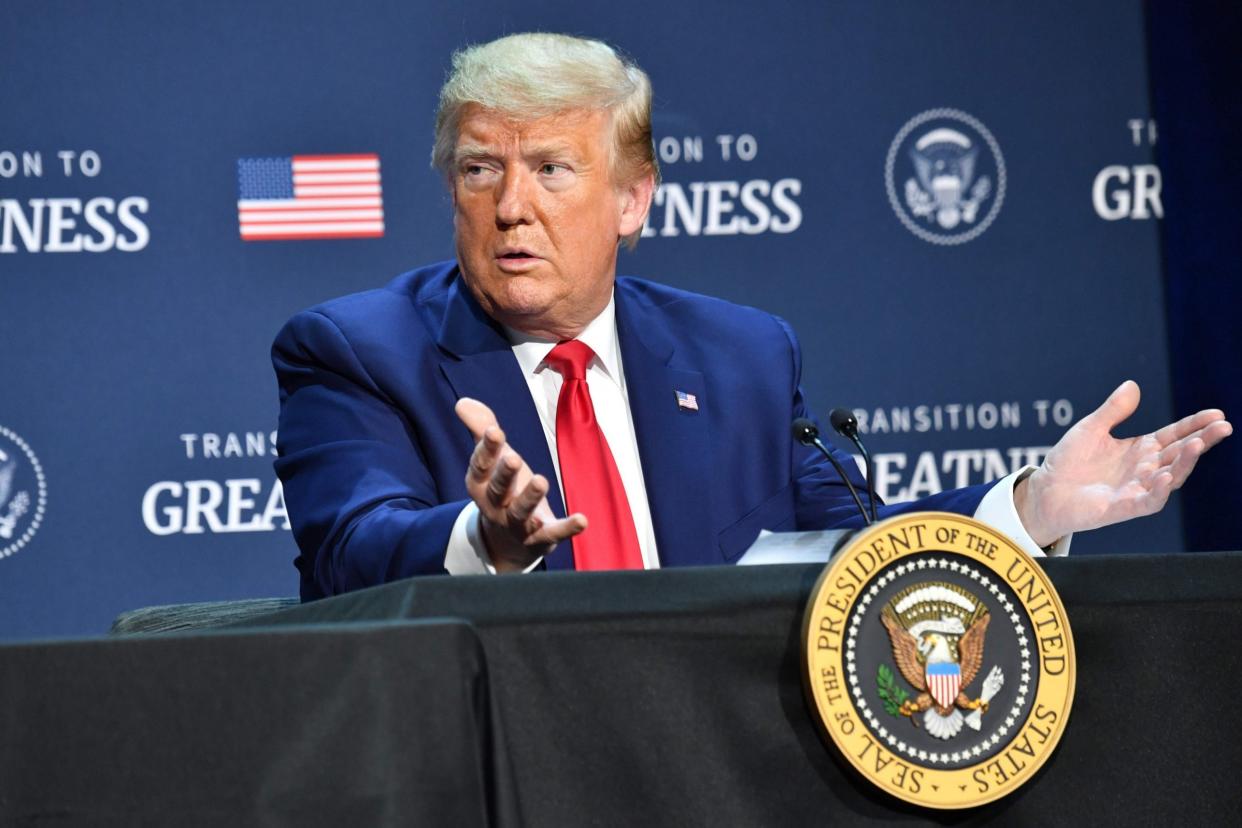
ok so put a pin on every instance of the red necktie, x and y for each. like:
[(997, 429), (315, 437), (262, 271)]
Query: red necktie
[(588, 473)]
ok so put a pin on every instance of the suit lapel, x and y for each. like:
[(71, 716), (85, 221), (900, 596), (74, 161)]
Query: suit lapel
[(674, 443), (481, 365)]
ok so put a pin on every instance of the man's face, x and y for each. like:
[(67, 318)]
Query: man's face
[(537, 217)]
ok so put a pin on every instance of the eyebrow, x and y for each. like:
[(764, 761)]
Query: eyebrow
[(477, 152), (471, 152)]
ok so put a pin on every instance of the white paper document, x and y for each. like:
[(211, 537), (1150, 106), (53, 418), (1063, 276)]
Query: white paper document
[(793, 547)]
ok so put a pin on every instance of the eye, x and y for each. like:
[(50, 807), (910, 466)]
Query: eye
[(550, 169), (477, 174)]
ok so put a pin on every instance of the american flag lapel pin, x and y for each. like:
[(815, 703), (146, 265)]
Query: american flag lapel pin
[(687, 402)]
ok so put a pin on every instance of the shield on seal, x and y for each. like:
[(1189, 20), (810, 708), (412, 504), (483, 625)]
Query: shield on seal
[(944, 679)]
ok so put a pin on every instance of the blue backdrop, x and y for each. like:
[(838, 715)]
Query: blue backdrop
[(969, 311), (1196, 67)]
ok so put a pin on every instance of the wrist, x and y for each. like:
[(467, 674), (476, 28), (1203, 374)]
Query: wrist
[(1026, 501)]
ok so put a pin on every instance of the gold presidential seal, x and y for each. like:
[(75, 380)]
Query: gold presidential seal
[(939, 660)]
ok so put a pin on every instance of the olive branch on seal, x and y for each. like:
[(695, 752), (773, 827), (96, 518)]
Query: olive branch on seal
[(891, 693)]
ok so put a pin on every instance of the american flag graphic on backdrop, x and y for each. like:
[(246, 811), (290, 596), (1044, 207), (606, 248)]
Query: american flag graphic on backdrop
[(310, 197)]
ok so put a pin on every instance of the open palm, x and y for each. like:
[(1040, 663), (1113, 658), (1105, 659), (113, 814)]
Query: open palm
[(1091, 479), (517, 524)]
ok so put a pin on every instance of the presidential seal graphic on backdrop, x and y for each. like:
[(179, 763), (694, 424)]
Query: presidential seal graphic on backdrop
[(945, 176), (939, 660), (23, 493)]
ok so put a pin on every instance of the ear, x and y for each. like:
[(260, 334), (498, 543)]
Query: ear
[(635, 202)]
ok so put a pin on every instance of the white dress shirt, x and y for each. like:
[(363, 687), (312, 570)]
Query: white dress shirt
[(606, 383), (466, 554)]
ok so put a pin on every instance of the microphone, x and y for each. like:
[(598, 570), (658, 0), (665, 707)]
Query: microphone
[(805, 432), (843, 423)]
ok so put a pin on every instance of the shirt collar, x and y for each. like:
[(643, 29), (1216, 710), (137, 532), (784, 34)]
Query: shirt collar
[(600, 335)]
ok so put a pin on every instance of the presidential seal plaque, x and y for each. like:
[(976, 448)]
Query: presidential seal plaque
[(939, 660)]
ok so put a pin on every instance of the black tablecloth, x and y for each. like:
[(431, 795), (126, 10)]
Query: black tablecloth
[(323, 726), (647, 698)]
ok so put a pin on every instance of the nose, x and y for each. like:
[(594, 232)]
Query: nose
[(513, 198)]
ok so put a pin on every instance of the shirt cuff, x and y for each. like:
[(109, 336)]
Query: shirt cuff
[(466, 553), (998, 511)]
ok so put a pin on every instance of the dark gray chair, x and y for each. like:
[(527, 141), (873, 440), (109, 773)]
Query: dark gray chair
[(201, 616)]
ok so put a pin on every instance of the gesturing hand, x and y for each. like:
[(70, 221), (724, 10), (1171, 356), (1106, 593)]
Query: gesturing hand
[(1091, 479), (517, 524)]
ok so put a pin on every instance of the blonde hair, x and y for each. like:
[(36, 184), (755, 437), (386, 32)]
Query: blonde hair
[(537, 74)]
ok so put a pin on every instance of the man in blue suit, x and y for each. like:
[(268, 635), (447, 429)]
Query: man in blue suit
[(685, 402)]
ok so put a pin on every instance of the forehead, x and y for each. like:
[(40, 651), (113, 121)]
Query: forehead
[(581, 130)]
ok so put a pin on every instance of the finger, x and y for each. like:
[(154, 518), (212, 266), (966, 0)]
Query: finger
[(475, 415), (525, 511), (543, 512), (1117, 408), (558, 530), (523, 506), (1154, 499), (500, 486), (1185, 462), (1216, 432), (1189, 425), (1210, 435), (484, 456)]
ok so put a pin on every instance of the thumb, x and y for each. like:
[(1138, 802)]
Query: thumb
[(1120, 404), (475, 415)]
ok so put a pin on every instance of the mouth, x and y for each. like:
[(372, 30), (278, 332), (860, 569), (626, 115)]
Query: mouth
[(513, 259), (515, 253)]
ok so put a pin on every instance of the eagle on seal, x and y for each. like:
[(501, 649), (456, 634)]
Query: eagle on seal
[(931, 665)]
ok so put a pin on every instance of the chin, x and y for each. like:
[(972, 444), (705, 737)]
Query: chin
[(524, 296)]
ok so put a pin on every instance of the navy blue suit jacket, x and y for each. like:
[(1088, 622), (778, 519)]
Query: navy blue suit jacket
[(373, 459)]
